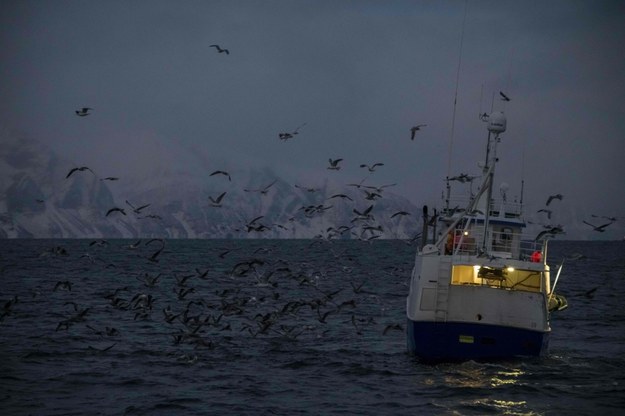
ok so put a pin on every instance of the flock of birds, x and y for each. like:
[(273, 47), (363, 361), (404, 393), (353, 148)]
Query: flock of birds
[(111, 291), (369, 230), (552, 230)]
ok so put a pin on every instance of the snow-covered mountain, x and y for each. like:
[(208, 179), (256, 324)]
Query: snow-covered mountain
[(38, 200)]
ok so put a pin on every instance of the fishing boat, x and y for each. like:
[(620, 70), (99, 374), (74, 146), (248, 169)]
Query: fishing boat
[(480, 289)]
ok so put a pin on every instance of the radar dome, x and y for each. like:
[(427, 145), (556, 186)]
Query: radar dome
[(497, 122)]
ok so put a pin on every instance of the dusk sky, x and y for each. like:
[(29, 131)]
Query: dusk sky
[(359, 74)]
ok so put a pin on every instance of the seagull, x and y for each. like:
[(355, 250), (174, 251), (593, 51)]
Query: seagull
[(264, 190), (599, 228), (504, 97), (547, 211), (400, 213), (286, 136), (110, 178), (219, 49), (613, 219), (156, 217), (462, 178), (343, 196), (364, 215), (415, 129), (115, 209), (379, 189), (83, 111), (552, 197), (216, 202), (552, 231), (221, 172), (334, 164), (311, 190), (371, 168), (137, 210), (80, 169), (371, 196)]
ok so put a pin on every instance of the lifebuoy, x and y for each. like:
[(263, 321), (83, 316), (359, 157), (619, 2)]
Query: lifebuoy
[(536, 257)]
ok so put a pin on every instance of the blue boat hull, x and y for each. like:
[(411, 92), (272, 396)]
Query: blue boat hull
[(458, 341)]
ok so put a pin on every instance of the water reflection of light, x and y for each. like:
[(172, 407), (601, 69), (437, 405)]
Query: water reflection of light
[(477, 377), (506, 407), (506, 377)]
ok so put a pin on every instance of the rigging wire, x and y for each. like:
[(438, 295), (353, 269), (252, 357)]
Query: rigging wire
[(453, 118)]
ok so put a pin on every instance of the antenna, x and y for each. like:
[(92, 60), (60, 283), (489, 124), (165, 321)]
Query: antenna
[(453, 117), (481, 97), (522, 178)]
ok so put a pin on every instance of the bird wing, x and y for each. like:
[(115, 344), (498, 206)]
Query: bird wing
[(270, 185), (113, 210), (70, 172), (255, 219)]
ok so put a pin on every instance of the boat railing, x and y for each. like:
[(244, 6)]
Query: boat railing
[(510, 245)]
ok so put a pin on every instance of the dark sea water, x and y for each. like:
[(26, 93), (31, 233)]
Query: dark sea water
[(296, 328)]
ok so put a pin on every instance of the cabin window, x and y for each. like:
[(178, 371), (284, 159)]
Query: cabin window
[(504, 278), (502, 240)]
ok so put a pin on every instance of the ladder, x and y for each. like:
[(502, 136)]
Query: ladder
[(442, 289)]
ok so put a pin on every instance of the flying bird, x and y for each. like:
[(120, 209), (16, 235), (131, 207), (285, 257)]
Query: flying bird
[(110, 178), (115, 209), (598, 228), (220, 49), (504, 97), (221, 172), (547, 211), (264, 190), (613, 219), (415, 129), (371, 168), (552, 197), (216, 202), (371, 196), (402, 213), (343, 196), (286, 136), (138, 209), (83, 111), (307, 189), (80, 169), (334, 164), (463, 178), (550, 232)]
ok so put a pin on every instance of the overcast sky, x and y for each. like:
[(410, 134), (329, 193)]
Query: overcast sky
[(358, 73)]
